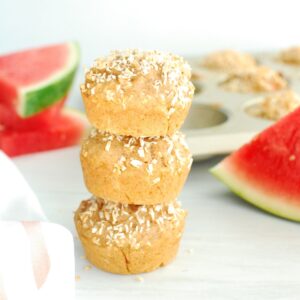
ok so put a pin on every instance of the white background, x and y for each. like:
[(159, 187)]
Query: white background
[(182, 26)]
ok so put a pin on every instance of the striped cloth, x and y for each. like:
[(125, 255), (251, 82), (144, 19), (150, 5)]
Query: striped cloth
[(36, 257)]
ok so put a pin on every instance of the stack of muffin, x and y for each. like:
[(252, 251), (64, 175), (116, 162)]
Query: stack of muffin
[(134, 162)]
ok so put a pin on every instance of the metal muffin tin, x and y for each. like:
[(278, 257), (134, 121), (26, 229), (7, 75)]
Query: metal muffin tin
[(218, 122)]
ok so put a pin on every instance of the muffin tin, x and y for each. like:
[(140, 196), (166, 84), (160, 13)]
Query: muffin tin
[(220, 121)]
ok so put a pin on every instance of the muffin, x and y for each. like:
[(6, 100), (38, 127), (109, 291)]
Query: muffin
[(129, 239), (257, 80), (276, 105), (290, 56), (138, 93), (133, 170), (229, 61)]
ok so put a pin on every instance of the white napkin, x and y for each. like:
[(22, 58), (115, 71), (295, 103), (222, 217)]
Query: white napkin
[(18, 202), (36, 257)]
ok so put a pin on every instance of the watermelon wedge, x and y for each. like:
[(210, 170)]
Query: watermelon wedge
[(67, 130), (9, 119), (32, 80), (266, 171)]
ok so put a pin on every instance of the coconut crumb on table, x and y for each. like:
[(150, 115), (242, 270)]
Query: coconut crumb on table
[(87, 267), (190, 251), (77, 277), (139, 278)]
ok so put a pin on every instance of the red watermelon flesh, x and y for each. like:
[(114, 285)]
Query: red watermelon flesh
[(32, 66), (9, 119), (32, 80), (67, 130), (266, 171)]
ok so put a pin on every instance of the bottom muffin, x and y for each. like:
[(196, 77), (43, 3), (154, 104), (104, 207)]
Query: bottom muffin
[(129, 239)]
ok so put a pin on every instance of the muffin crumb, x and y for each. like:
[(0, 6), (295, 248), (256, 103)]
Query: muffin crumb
[(77, 277), (139, 278)]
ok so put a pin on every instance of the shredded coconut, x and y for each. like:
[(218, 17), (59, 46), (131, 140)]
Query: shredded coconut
[(113, 223), (124, 66), (144, 152)]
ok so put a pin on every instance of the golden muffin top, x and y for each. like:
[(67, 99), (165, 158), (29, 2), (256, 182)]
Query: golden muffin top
[(110, 223), (151, 73)]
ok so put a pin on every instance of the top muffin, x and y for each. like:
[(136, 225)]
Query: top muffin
[(138, 93)]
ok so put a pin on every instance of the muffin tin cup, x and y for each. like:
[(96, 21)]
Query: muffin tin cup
[(219, 121)]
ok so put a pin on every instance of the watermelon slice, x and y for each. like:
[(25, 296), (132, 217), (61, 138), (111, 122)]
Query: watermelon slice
[(32, 80), (266, 171), (9, 119), (67, 130)]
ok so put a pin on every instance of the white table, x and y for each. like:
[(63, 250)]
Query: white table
[(230, 249)]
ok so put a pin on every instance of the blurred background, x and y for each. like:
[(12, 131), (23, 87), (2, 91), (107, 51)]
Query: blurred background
[(187, 27)]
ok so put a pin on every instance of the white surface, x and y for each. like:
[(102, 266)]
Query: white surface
[(239, 252), (184, 26)]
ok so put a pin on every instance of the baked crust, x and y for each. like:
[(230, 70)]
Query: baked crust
[(129, 239), (135, 170), (138, 93)]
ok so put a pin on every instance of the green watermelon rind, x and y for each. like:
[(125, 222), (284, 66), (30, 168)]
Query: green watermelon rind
[(33, 99), (275, 205)]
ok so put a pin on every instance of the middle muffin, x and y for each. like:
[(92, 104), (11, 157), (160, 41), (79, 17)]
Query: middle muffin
[(131, 170)]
